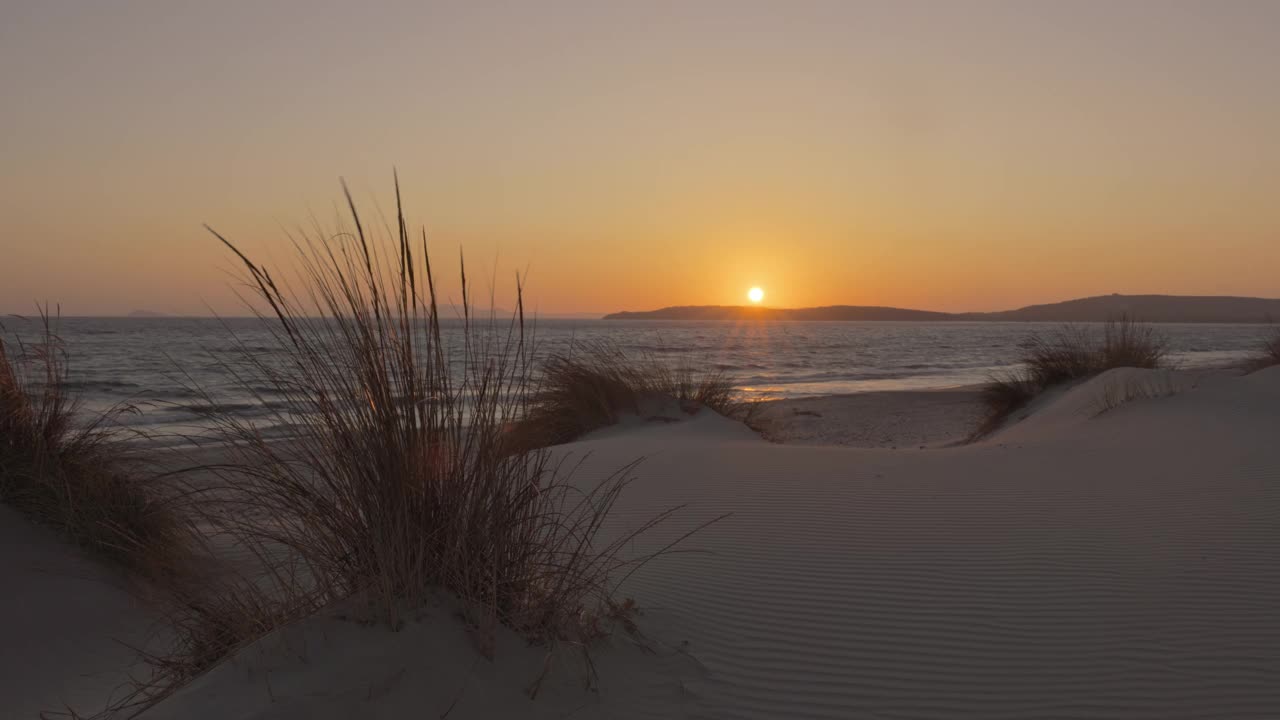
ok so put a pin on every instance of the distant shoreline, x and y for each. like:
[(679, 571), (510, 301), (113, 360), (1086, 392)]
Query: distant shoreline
[(1146, 308)]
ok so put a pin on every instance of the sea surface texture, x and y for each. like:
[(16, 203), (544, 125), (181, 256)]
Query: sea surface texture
[(154, 363)]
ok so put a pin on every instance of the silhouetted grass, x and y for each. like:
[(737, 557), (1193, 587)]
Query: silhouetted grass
[(1268, 353), (1071, 353), (594, 384), (1002, 396), (399, 482), (74, 476)]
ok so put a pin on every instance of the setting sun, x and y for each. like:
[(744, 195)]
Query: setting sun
[(509, 346)]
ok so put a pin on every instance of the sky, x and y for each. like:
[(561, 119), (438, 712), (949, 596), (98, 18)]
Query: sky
[(940, 155)]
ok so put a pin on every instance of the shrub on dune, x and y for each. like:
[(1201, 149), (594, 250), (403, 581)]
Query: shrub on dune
[(75, 476), (1073, 352), (1062, 356), (1069, 354), (1128, 343), (1002, 396), (595, 383), (398, 482), (1268, 354)]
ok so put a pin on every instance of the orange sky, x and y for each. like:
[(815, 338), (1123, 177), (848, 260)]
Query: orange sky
[(948, 156)]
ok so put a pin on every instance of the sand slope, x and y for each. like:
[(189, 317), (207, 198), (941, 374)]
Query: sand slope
[(337, 667), (892, 419), (65, 622), (1122, 565)]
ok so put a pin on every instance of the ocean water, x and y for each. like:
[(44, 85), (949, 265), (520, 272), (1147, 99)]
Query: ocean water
[(152, 362)]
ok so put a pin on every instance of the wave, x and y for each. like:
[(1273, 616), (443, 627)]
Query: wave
[(216, 408), (155, 363), (98, 384)]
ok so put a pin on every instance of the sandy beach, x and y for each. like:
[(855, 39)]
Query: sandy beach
[(1091, 560), (71, 627), (719, 360), (904, 419)]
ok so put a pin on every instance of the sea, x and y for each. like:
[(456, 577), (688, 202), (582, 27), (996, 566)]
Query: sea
[(152, 364)]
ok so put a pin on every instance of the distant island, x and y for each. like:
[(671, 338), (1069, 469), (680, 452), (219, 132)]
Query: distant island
[(1148, 308), (147, 314)]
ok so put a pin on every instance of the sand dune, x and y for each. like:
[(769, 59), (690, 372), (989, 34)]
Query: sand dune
[(338, 667), (66, 625), (1123, 567), (890, 419), (1074, 565)]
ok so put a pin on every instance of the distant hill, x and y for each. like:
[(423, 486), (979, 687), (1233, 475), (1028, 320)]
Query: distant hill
[(567, 315), (147, 314), (743, 312), (1149, 308)]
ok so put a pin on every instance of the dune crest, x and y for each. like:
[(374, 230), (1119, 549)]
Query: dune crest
[(1117, 566)]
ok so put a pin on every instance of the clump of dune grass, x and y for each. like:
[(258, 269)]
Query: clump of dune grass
[(595, 383), (76, 476), (1002, 396), (1271, 349), (398, 482), (1071, 353), (1268, 354)]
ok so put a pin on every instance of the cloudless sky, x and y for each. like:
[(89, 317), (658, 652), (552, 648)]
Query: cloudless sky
[(943, 155)]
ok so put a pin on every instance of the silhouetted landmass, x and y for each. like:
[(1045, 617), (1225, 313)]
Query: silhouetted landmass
[(147, 314), (744, 312), (1148, 308), (567, 315)]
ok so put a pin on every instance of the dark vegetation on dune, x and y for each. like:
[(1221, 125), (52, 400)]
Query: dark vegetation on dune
[(77, 477), (1069, 354), (596, 383), (400, 484), (1269, 354)]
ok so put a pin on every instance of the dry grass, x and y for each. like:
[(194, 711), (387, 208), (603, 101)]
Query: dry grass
[(1071, 353), (77, 477), (399, 483), (1002, 396), (1269, 354), (208, 622), (596, 383)]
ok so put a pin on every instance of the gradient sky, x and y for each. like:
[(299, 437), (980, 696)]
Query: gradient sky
[(941, 155)]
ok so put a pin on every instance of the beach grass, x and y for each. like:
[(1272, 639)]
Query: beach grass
[(77, 475), (595, 383), (1068, 354), (1268, 354), (398, 482)]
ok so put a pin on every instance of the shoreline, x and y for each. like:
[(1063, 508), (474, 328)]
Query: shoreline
[(905, 418)]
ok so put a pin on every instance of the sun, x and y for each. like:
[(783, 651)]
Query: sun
[(755, 294)]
